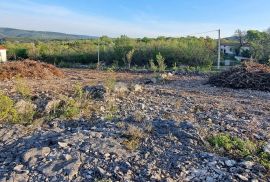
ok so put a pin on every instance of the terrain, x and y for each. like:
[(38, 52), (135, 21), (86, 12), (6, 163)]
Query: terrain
[(142, 129), (12, 33)]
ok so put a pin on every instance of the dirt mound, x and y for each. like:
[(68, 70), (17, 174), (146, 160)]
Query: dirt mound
[(29, 69), (249, 75)]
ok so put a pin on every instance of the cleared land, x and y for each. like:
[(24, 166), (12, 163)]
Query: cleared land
[(179, 129)]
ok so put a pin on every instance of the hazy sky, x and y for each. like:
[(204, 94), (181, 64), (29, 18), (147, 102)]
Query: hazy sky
[(136, 18)]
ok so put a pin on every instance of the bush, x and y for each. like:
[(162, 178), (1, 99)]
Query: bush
[(161, 63), (233, 145), (7, 110), (153, 67)]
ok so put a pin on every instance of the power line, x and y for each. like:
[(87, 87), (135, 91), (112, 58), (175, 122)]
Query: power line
[(199, 33)]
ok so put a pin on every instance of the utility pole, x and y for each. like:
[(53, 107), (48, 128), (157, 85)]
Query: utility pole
[(98, 54), (219, 49)]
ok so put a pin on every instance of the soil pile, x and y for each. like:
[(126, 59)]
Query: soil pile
[(249, 75), (28, 69)]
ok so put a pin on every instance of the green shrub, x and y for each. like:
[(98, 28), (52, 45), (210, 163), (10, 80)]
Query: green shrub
[(161, 63), (70, 109), (221, 141), (264, 159), (152, 65), (233, 145), (6, 108)]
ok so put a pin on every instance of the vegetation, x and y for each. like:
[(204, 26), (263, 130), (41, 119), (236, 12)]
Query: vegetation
[(240, 148), (22, 88), (122, 51), (9, 112), (134, 136)]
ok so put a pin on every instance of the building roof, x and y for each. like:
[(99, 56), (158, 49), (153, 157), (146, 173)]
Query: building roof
[(2, 48)]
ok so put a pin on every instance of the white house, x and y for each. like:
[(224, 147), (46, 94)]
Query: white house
[(230, 48), (3, 54)]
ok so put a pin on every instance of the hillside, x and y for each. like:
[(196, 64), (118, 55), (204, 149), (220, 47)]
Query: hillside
[(30, 34)]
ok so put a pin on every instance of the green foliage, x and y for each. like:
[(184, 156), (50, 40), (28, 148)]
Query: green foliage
[(161, 62), (264, 159), (153, 67), (175, 68), (260, 45), (129, 57), (190, 51), (68, 108), (6, 108), (233, 145), (221, 141), (9, 113)]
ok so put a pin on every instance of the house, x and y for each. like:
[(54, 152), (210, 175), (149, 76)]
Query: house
[(234, 49), (3, 54)]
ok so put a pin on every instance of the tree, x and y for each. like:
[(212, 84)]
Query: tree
[(129, 57), (122, 46), (241, 36), (260, 45)]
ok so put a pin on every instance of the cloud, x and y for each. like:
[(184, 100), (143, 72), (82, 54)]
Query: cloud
[(26, 14)]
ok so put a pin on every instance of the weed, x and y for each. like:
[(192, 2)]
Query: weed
[(240, 148), (6, 108), (111, 111), (221, 141), (233, 145), (153, 67), (161, 63), (24, 112), (78, 91), (175, 68), (22, 88), (132, 144), (138, 116), (68, 108), (264, 159), (134, 136), (110, 83)]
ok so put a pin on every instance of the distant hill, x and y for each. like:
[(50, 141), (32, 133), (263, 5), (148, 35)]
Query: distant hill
[(11, 33)]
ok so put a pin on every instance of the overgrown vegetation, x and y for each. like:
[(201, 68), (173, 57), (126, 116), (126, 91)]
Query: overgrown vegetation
[(22, 112), (122, 51), (239, 148)]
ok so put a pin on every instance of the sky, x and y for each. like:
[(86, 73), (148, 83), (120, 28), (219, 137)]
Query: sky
[(136, 18)]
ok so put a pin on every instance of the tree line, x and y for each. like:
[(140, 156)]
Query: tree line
[(128, 52)]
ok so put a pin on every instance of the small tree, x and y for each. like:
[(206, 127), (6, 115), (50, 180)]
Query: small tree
[(153, 67), (129, 57), (161, 63)]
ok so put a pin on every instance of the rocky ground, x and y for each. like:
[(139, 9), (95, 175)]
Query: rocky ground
[(153, 132)]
